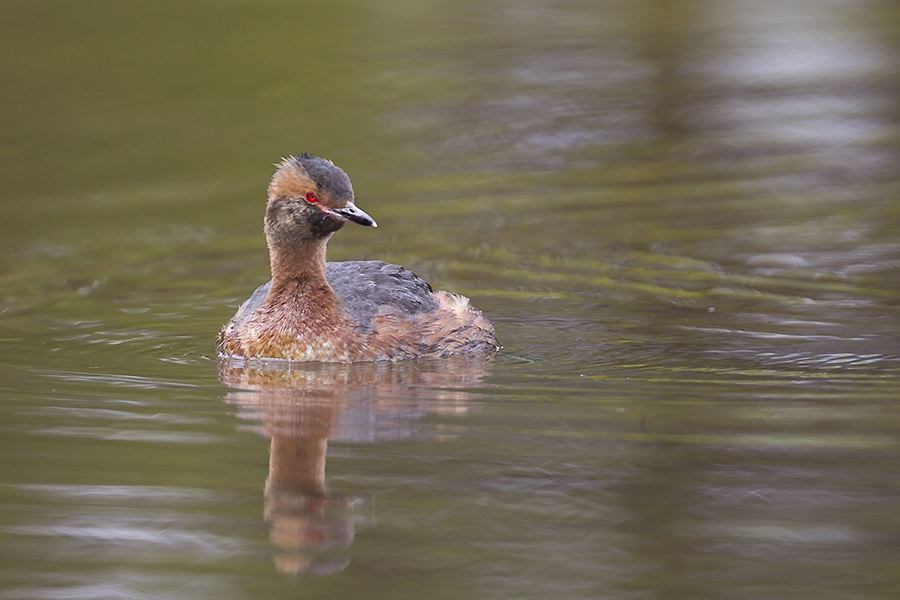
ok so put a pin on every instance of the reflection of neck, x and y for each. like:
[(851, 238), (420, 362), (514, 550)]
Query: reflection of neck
[(297, 465)]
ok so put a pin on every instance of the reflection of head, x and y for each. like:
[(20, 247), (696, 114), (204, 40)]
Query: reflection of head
[(311, 532), (300, 407)]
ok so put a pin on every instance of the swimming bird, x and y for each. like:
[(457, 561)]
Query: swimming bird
[(313, 310)]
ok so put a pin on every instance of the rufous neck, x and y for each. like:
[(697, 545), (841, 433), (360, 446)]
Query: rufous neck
[(305, 262)]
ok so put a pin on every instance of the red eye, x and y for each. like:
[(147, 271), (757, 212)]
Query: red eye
[(311, 198)]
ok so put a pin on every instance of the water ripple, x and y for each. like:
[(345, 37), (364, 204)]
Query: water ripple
[(116, 379), (124, 584), (119, 493), (132, 435)]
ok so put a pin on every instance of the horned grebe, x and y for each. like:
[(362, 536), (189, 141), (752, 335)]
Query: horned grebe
[(345, 311)]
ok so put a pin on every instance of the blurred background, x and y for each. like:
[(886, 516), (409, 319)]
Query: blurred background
[(682, 216)]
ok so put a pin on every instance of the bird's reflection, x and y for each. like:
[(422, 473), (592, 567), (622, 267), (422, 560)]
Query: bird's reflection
[(301, 407)]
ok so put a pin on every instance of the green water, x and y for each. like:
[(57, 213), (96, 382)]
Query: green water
[(682, 218)]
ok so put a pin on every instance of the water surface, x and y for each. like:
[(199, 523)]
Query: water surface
[(681, 217)]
